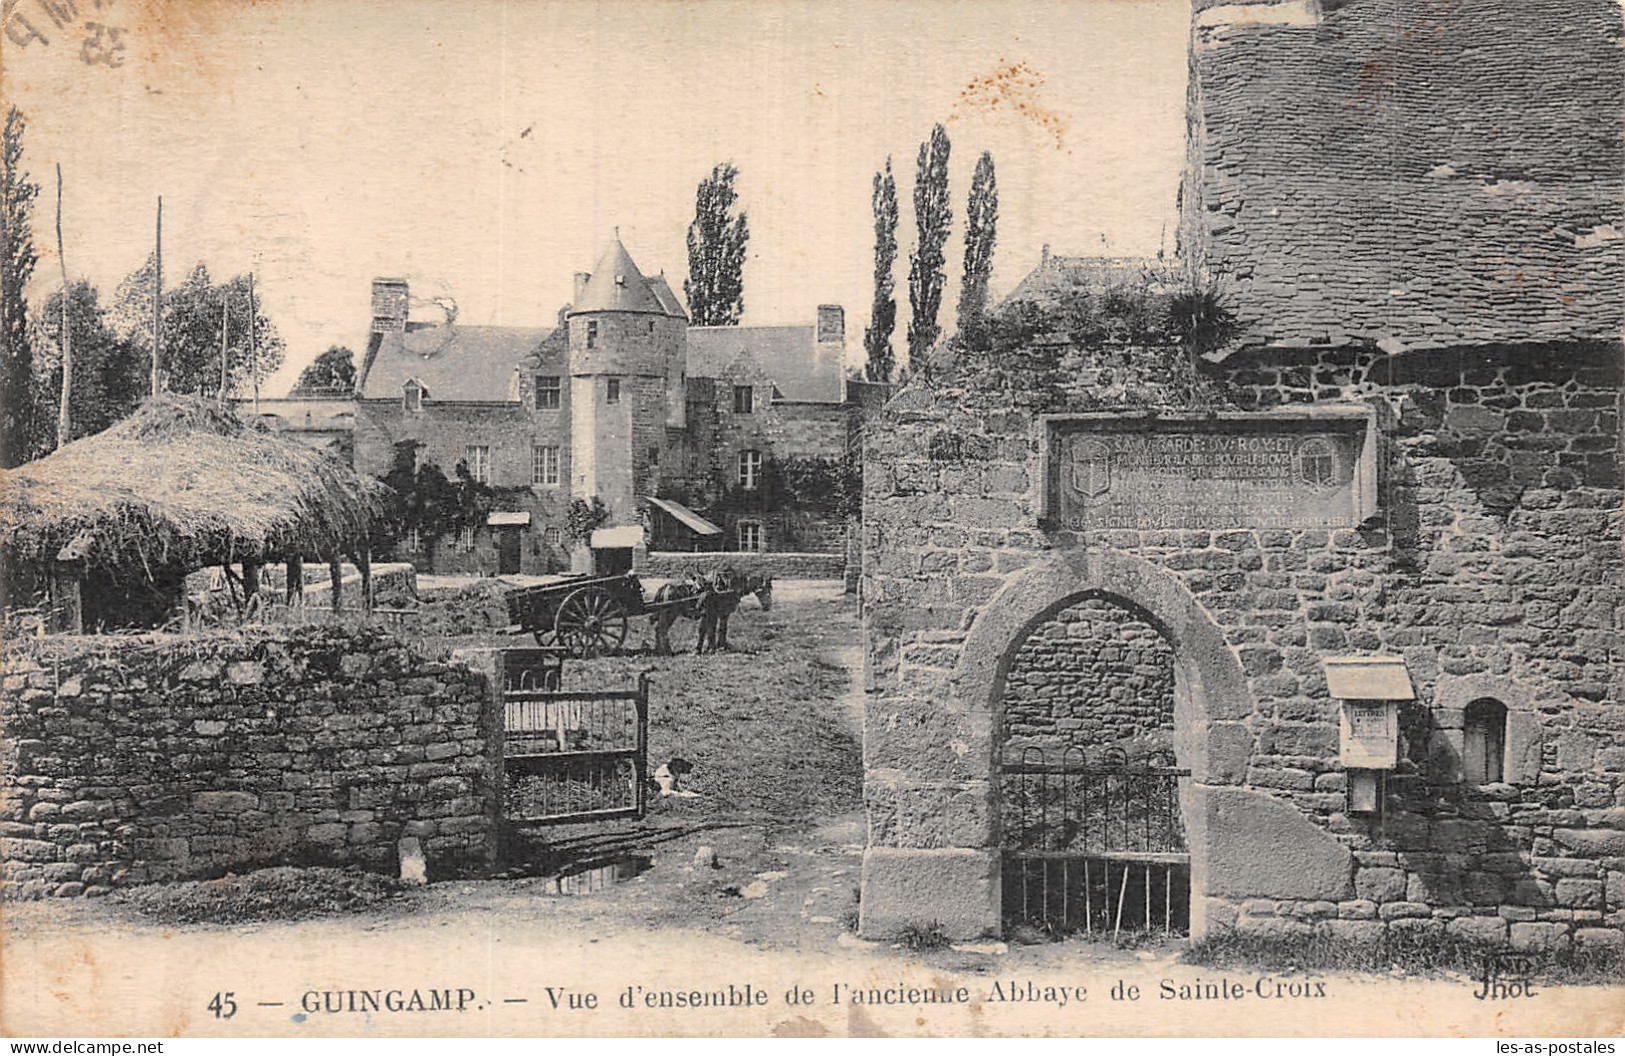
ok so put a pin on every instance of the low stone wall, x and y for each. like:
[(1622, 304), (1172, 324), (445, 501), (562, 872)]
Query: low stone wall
[(779, 566), (131, 760)]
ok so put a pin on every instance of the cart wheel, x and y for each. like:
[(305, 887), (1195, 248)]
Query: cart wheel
[(590, 622)]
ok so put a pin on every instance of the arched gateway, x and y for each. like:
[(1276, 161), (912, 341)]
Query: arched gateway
[(1077, 824), (1091, 835)]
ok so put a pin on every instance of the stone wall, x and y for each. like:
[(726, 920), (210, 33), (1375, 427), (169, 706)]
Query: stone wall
[(703, 471), (131, 760), (1494, 568), (779, 566), (1331, 186), (511, 431), (1093, 676)]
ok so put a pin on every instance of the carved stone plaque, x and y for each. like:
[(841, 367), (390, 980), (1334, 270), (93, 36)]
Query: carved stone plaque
[(1280, 469)]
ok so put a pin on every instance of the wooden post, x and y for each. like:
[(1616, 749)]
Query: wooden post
[(296, 580), (225, 325), (64, 414), (251, 580), (253, 351), (158, 298), (335, 572), (363, 563)]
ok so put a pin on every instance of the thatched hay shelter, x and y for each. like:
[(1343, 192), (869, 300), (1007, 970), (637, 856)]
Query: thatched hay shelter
[(179, 485)]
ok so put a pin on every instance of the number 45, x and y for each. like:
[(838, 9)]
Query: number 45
[(223, 1006)]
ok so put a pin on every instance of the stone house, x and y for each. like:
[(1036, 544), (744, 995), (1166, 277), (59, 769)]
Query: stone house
[(1326, 640), (678, 430)]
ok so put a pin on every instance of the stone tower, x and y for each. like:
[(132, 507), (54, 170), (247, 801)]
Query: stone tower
[(628, 349)]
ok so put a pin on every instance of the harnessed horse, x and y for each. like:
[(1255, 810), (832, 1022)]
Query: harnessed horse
[(681, 598), (728, 589)]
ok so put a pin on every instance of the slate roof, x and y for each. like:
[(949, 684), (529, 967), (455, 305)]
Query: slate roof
[(1411, 173), (786, 354), (1056, 275), (616, 285), (663, 293), (463, 363)]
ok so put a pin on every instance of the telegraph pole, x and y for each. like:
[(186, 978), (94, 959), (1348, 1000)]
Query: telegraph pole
[(253, 349), (225, 323), (64, 420), (158, 298)]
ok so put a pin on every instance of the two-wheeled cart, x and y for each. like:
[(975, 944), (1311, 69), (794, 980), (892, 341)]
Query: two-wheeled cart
[(585, 615)]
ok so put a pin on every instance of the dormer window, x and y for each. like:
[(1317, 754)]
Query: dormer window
[(592, 333), (412, 396)]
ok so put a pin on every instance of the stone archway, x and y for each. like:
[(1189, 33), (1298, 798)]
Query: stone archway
[(936, 852), (1091, 831), (1242, 843)]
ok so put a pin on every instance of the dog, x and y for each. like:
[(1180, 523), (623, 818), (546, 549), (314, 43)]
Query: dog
[(668, 779)]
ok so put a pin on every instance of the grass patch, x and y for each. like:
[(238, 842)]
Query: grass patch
[(917, 938), (281, 893), (765, 726), (1410, 952)]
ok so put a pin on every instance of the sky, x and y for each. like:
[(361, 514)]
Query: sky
[(487, 149)]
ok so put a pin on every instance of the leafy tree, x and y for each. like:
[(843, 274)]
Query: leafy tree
[(193, 313), (981, 219), (583, 518), (333, 371), (17, 260), (715, 286), (933, 214), (427, 500), (883, 313), (110, 376), (131, 311)]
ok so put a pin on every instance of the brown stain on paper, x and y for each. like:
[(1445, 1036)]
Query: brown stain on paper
[(1015, 87)]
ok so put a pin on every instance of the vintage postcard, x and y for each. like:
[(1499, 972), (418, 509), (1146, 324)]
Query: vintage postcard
[(785, 519)]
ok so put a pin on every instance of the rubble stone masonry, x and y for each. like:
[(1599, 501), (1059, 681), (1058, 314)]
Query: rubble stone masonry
[(1493, 567), (162, 758), (1093, 676)]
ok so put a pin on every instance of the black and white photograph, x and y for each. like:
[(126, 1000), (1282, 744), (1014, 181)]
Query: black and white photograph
[(775, 519)]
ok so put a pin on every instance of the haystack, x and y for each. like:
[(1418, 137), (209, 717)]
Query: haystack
[(179, 485)]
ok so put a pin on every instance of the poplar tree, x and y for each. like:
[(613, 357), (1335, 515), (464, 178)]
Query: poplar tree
[(883, 313), (715, 287), (18, 428), (981, 219), (933, 214)]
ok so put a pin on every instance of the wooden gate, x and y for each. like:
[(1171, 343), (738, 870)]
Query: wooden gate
[(1094, 847), (571, 755)]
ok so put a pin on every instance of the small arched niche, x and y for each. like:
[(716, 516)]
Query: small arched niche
[(1484, 742)]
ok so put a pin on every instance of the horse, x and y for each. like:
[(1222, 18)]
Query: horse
[(728, 588), (685, 597)]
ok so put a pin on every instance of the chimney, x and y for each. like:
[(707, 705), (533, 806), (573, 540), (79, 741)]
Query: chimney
[(581, 286), (831, 324), (1043, 258), (389, 300)]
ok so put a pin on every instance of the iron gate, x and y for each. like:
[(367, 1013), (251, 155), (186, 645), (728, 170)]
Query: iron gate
[(568, 755), (1094, 847)]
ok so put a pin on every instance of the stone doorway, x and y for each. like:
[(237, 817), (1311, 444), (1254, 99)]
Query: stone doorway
[(508, 546), (1092, 835)]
